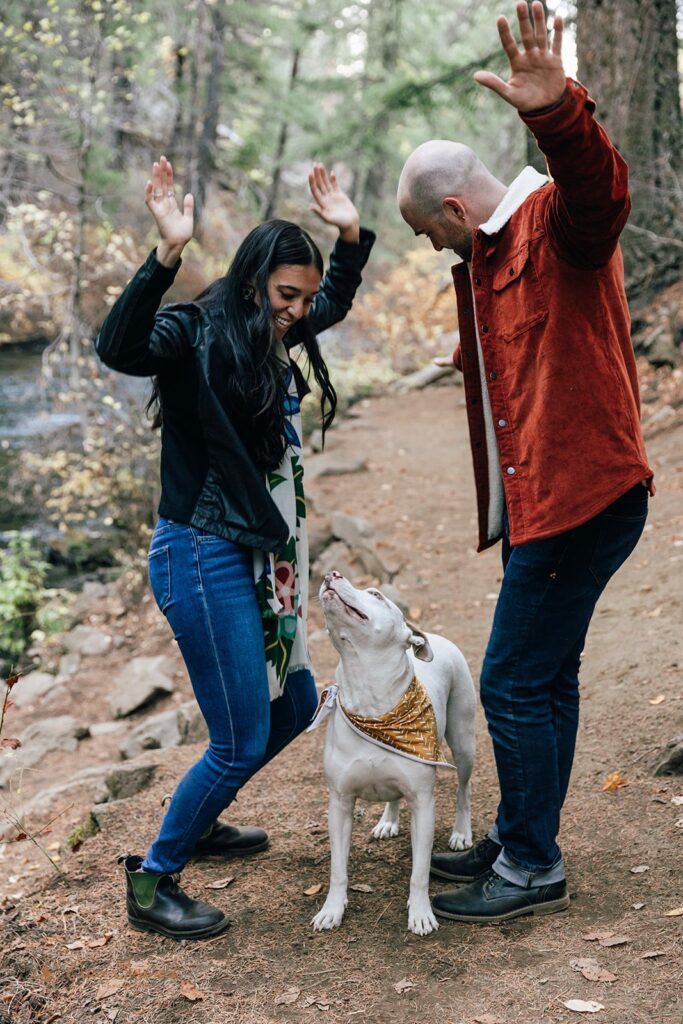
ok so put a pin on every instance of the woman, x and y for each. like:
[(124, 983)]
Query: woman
[(228, 560)]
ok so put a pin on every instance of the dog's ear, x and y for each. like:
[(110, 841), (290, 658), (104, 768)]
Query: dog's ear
[(419, 642)]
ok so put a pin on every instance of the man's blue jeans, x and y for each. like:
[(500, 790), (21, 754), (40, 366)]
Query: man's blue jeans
[(529, 680), (204, 586)]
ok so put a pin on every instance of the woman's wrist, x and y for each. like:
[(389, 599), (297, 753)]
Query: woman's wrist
[(168, 255), (350, 233)]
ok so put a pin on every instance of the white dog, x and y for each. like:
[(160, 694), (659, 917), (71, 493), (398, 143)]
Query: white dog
[(376, 669)]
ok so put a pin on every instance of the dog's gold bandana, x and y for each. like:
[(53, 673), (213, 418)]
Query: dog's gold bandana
[(408, 729)]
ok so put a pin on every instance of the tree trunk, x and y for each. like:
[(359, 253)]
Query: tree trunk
[(627, 52), (386, 33), (278, 160), (207, 139)]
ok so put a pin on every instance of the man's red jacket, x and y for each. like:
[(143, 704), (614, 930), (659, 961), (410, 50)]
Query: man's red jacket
[(554, 328)]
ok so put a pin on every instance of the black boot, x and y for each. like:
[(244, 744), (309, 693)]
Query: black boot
[(221, 840), (466, 865), (156, 903), (493, 899)]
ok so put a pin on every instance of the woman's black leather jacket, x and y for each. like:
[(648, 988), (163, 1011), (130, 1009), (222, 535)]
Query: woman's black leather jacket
[(208, 478)]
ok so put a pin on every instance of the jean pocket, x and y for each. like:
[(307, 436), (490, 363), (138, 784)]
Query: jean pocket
[(616, 540), (159, 562)]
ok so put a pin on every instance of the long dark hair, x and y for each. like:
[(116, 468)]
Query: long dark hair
[(256, 385)]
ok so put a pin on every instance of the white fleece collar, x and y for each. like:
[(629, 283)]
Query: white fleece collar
[(524, 184)]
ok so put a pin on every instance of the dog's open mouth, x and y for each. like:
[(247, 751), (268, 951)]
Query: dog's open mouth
[(355, 613)]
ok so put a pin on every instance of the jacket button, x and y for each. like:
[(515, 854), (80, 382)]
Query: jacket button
[(511, 271), (493, 375), (484, 328), (477, 281), (510, 471), (502, 423)]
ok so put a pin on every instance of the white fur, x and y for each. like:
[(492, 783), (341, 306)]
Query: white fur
[(375, 669)]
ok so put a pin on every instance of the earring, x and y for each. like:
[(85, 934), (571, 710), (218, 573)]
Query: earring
[(248, 293)]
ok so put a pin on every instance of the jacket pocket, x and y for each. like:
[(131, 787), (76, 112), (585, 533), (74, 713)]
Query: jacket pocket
[(518, 298), (159, 563)]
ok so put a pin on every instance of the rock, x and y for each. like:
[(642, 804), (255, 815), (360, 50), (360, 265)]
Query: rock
[(335, 556), (42, 802), (32, 687), (152, 734), (319, 537), (69, 665), (671, 758), (376, 563), (315, 441), (395, 595), (332, 465), (140, 682), (105, 728), (87, 640), (126, 780), (60, 733), (191, 724), (353, 530), (55, 695), (91, 595)]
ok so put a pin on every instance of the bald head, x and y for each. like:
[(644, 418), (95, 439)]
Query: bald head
[(435, 170), (445, 191)]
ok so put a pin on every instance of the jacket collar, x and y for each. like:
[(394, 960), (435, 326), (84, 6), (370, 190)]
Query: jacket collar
[(521, 188)]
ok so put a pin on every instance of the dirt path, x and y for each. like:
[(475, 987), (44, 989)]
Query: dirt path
[(418, 489)]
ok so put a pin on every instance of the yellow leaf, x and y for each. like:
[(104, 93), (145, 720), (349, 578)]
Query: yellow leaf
[(657, 700), (190, 992), (615, 780), (313, 890)]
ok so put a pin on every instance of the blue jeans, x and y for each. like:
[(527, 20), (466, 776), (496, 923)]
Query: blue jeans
[(204, 586), (529, 681)]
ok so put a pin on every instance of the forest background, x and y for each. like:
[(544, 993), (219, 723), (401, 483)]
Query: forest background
[(243, 97)]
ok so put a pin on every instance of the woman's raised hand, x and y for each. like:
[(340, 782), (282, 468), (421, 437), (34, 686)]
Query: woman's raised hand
[(175, 225), (332, 204)]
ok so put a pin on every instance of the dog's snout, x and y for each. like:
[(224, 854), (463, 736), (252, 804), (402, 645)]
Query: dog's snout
[(331, 576)]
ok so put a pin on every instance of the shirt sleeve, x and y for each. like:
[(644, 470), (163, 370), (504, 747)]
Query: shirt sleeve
[(136, 338)]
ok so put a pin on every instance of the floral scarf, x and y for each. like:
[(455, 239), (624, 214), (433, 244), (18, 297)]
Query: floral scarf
[(281, 577)]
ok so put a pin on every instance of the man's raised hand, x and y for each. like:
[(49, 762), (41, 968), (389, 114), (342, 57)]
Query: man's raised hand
[(537, 77), (175, 225)]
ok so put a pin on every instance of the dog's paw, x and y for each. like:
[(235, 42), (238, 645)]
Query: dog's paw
[(422, 921), (385, 829), (330, 916), (460, 840)]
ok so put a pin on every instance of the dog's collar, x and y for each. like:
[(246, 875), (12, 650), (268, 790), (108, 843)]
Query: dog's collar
[(409, 729)]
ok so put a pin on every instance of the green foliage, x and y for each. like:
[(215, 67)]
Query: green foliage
[(84, 830), (22, 572)]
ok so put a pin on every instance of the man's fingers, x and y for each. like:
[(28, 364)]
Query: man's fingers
[(558, 27), (540, 27), (156, 177), (491, 81), (188, 205), (526, 30), (507, 39)]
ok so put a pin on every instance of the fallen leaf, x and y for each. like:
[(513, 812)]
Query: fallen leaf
[(677, 800), (17, 944), (190, 992), (655, 613), (652, 953), (639, 869), (678, 912), (591, 969), (486, 1018), (75, 945), (404, 985), (614, 940), (659, 699), (109, 988), (361, 887), (313, 890), (220, 883), (637, 906), (597, 933), (583, 1005), (100, 942), (615, 780), (10, 743), (289, 996), (679, 823)]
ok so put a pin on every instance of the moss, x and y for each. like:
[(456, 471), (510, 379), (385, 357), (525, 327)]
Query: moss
[(84, 830)]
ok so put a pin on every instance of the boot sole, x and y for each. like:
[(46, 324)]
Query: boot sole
[(448, 877), (550, 907), (222, 855), (202, 933)]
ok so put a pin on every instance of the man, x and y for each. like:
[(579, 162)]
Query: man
[(559, 460)]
